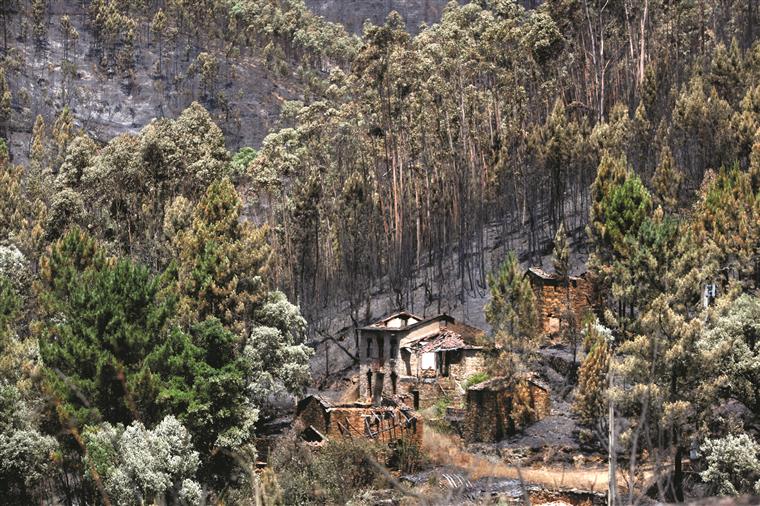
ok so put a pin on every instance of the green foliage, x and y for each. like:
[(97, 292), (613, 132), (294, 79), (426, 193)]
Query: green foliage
[(200, 378), (511, 312), (441, 405), (730, 347), (624, 209), (104, 317), (135, 465), (733, 464), (474, 379), (242, 160), (610, 174), (221, 261)]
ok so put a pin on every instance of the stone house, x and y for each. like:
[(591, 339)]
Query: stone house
[(318, 420), (419, 360), (500, 407), (552, 297)]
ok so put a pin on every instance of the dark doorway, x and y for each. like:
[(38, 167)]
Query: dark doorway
[(416, 399), (406, 356), (377, 393)]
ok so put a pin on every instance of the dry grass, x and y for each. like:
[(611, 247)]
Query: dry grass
[(446, 450)]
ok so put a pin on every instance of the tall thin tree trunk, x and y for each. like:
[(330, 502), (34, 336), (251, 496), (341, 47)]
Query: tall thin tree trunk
[(612, 456)]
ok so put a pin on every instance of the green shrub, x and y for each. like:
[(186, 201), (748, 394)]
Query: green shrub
[(733, 466), (441, 405), (478, 377), (332, 474)]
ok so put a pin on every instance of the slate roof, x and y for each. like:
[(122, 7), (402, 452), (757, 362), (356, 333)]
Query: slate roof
[(383, 322), (503, 383), (446, 339), (540, 273)]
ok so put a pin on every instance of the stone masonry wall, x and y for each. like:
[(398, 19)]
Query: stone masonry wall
[(313, 414), (391, 427), (551, 300), (390, 363), (490, 415)]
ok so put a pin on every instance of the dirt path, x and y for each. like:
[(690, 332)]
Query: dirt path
[(445, 450)]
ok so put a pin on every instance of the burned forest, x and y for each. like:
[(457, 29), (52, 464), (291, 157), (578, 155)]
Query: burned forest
[(407, 252)]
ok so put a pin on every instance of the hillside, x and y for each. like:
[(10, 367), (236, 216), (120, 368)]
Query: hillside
[(251, 255), (116, 70), (352, 13)]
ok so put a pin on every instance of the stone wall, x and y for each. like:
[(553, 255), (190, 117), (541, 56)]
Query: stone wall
[(492, 414), (387, 424), (551, 299), (389, 362), (430, 387), (313, 413)]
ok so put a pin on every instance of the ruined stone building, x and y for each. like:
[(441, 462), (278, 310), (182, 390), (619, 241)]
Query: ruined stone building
[(552, 297), (419, 360), (318, 420), (501, 407)]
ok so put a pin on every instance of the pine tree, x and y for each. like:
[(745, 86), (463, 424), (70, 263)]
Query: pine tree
[(511, 312), (109, 316), (222, 261), (726, 72), (667, 181), (611, 172), (561, 262), (590, 402), (158, 26), (561, 255), (13, 204), (39, 23), (63, 132)]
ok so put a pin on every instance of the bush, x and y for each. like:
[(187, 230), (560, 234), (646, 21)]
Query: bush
[(406, 456), (733, 466), (478, 377), (333, 474), (348, 466), (441, 405)]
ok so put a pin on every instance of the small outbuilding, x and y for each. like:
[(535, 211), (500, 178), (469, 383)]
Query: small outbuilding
[(554, 298), (503, 406)]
